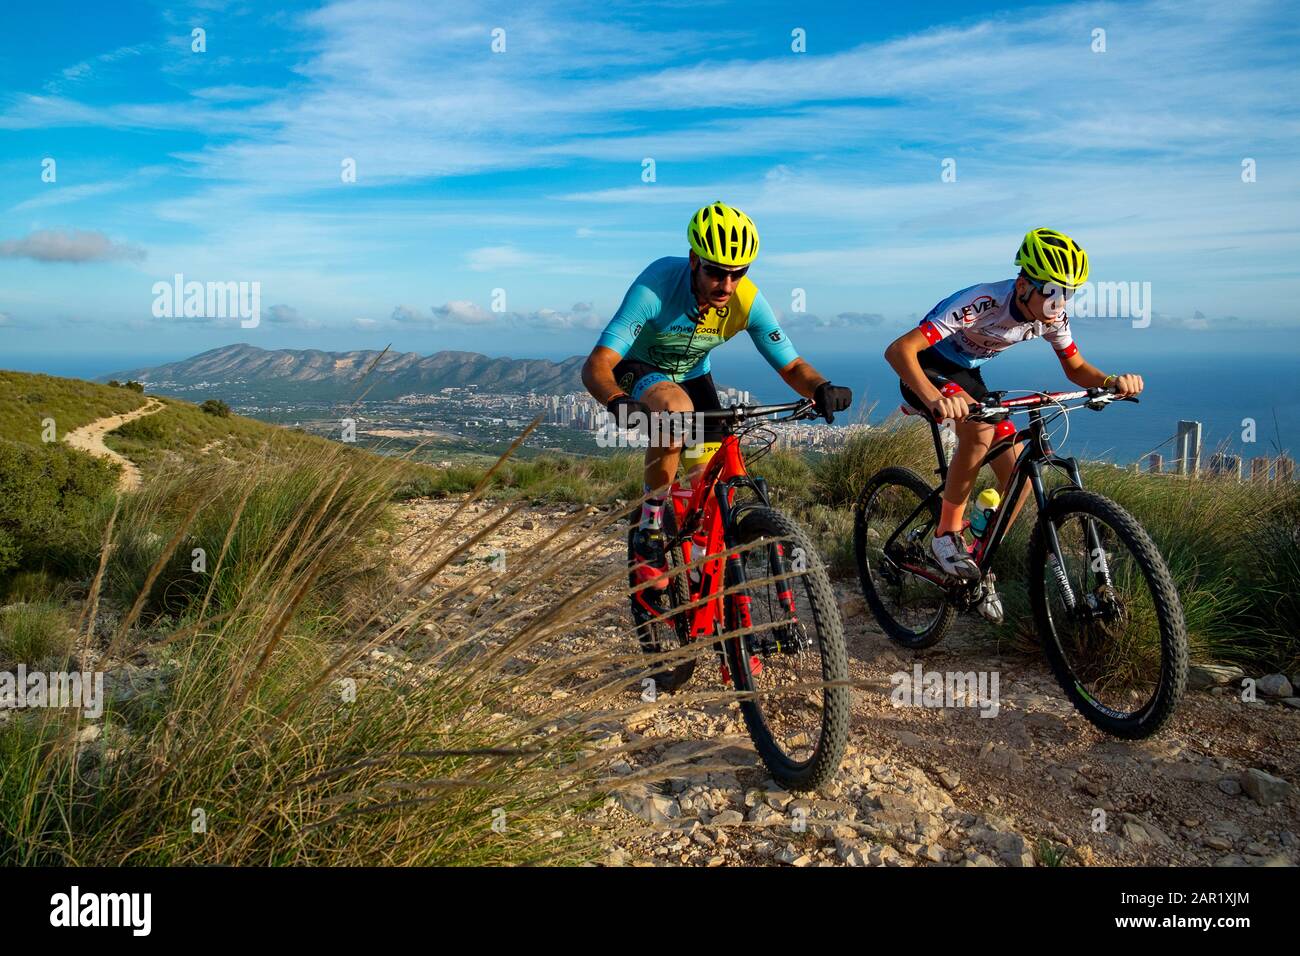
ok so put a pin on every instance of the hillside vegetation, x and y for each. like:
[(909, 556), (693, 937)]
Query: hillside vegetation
[(27, 400), (232, 605), (238, 602)]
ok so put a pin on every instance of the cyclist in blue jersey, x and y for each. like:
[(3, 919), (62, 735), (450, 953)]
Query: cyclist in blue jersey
[(939, 367), (654, 354)]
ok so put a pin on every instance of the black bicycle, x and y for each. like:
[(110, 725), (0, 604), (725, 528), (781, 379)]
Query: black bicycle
[(1104, 604)]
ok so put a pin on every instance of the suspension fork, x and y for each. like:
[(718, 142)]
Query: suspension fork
[(776, 560), (1096, 560), (1055, 558), (733, 577)]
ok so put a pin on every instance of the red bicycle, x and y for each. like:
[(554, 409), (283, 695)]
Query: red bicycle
[(746, 579)]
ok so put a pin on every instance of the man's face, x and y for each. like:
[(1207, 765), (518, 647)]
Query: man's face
[(714, 284), (1045, 303)]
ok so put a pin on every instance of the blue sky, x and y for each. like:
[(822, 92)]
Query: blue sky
[(522, 170)]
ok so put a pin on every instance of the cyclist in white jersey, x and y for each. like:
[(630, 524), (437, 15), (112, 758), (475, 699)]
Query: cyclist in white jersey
[(939, 367)]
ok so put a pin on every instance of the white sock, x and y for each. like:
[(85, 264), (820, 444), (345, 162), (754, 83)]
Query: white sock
[(652, 513)]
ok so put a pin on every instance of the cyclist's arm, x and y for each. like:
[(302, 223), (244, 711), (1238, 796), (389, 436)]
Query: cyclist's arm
[(775, 346), (1085, 375), (901, 355), (598, 374), (802, 377), (640, 305), (768, 336)]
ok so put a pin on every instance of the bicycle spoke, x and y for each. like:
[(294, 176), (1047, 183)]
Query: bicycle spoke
[(786, 618), (793, 712), (892, 540)]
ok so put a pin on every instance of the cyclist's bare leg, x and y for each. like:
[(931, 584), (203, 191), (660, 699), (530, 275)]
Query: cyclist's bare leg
[(661, 458), (1004, 466), (973, 441)]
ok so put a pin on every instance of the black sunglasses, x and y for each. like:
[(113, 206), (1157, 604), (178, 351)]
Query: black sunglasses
[(719, 273), (1066, 294)]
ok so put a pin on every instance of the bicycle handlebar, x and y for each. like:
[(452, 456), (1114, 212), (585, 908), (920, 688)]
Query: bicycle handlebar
[(739, 413), (995, 405)]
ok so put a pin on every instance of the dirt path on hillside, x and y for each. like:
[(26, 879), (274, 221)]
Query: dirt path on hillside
[(90, 438), (919, 785)]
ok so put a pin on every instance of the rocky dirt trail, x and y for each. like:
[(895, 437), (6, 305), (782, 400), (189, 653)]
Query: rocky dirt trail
[(923, 785), (90, 438)]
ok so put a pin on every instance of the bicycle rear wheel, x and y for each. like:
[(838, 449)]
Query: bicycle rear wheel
[(910, 609), (799, 724), (1109, 615)]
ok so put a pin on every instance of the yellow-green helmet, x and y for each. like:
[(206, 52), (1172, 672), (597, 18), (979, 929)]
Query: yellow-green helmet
[(722, 234), (1050, 256)]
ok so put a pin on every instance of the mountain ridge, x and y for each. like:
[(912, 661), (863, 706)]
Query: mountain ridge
[(316, 373)]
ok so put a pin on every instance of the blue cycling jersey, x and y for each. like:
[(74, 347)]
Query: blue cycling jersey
[(654, 323)]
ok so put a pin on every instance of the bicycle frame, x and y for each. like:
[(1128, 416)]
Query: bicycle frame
[(710, 504), (1036, 452)]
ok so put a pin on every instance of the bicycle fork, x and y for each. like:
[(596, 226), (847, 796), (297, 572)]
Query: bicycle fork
[(1096, 560)]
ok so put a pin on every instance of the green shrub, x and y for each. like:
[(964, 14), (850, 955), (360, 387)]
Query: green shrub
[(276, 495), (27, 587), (899, 440), (46, 491), (33, 632), (11, 551), (215, 406), (147, 428)]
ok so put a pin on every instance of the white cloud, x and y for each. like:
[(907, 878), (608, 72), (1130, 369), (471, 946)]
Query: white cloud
[(54, 195), (580, 316), (48, 245), (853, 139), (79, 71), (493, 258), (287, 316), (461, 312), (841, 320), (408, 314)]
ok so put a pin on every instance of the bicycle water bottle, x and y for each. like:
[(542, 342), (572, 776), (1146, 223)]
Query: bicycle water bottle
[(985, 506)]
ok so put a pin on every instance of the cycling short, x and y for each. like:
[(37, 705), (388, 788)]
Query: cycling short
[(636, 377), (940, 370)]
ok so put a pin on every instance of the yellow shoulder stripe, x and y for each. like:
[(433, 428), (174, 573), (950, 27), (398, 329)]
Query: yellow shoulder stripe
[(738, 308)]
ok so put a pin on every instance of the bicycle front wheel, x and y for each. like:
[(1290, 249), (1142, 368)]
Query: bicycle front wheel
[(1108, 613), (786, 651)]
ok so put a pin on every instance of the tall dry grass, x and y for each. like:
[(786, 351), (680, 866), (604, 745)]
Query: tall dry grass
[(266, 730)]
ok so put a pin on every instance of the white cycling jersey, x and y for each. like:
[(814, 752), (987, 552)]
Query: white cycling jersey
[(973, 325)]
